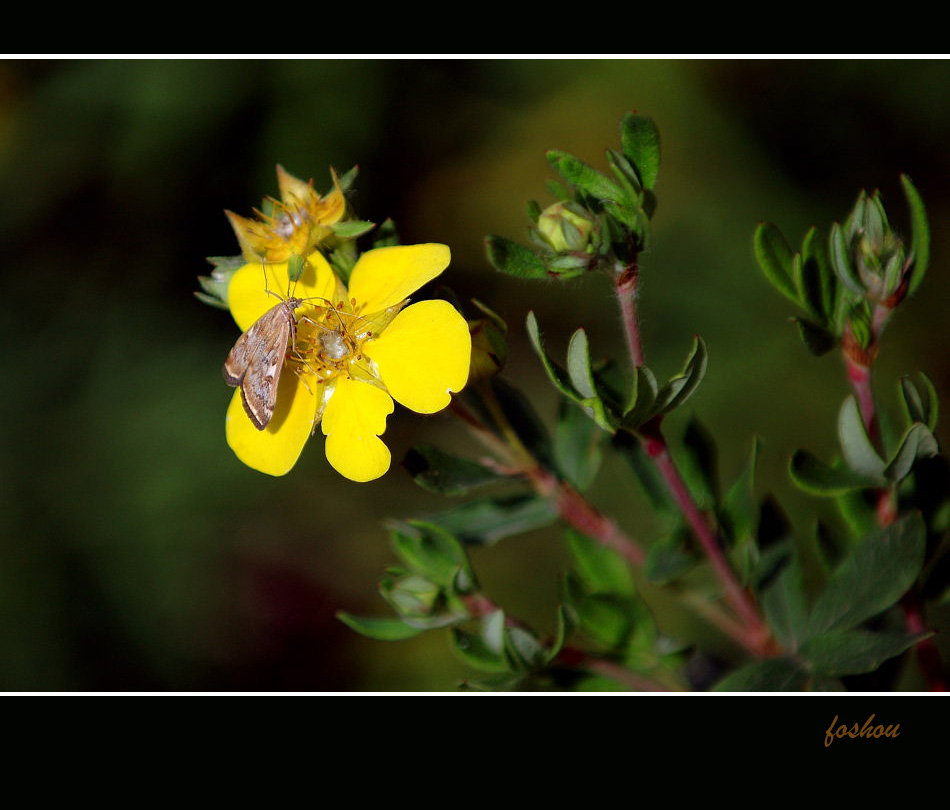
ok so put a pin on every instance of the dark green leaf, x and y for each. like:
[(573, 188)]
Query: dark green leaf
[(854, 652), (429, 550), (771, 675), (555, 372), (841, 260), (640, 142), (514, 259), (786, 606), (920, 230), (586, 178), (441, 472), (601, 569), (774, 256), (577, 445), (920, 408), (813, 475), (669, 558), (872, 577), (817, 339), (857, 447), (917, 442), (483, 650), (681, 387), (487, 521), (523, 419), (700, 465)]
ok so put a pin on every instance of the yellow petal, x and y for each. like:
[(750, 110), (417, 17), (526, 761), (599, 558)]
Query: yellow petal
[(423, 355), (255, 288), (353, 420), (385, 276), (275, 449)]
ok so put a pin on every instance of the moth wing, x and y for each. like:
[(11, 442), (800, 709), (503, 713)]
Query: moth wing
[(256, 361)]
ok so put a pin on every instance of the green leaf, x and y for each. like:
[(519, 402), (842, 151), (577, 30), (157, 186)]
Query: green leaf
[(771, 675), (446, 474), (841, 260), (640, 142), (430, 550), (872, 577), (855, 652), (578, 443), (523, 419), (919, 410), (582, 377), (920, 234), (601, 569), (856, 445), (817, 339), (917, 442), (681, 387), (814, 476), (586, 178), (523, 650), (774, 256), (669, 558), (556, 373), (483, 650), (379, 629), (487, 521), (514, 259), (700, 463), (786, 606), (609, 619)]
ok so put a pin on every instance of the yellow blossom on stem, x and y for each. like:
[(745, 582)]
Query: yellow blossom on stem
[(356, 350), (298, 222)]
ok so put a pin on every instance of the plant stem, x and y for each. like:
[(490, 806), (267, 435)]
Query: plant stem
[(626, 289)]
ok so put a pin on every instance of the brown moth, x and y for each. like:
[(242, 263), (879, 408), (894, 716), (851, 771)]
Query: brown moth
[(257, 358)]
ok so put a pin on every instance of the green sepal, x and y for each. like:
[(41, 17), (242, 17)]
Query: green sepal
[(514, 259), (295, 267), (214, 288), (379, 629), (812, 475), (487, 521), (446, 474), (920, 234), (640, 142), (774, 256), (854, 652), (873, 576), (351, 229)]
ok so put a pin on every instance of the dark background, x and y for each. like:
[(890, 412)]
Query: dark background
[(136, 553)]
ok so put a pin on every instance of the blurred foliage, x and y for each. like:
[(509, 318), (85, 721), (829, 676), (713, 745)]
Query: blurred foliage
[(137, 554)]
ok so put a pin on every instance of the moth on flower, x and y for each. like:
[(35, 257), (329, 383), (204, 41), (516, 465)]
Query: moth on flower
[(348, 353)]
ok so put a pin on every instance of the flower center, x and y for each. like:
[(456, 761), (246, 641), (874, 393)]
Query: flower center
[(332, 345)]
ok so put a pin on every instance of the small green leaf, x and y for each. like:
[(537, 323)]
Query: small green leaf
[(379, 629), (786, 606), (514, 259), (487, 521), (556, 374), (523, 650), (918, 409), (586, 178), (483, 650), (814, 476), (429, 550), (817, 339), (700, 463), (640, 142), (855, 652), (917, 442), (841, 260), (774, 256), (669, 558), (920, 234), (577, 445), (771, 675), (601, 569), (872, 577), (856, 445), (443, 473), (681, 387)]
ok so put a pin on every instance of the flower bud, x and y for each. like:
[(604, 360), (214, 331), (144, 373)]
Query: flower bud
[(566, 227)]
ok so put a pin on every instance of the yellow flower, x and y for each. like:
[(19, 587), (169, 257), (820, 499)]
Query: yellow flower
[(356, 351), (299, 221)]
